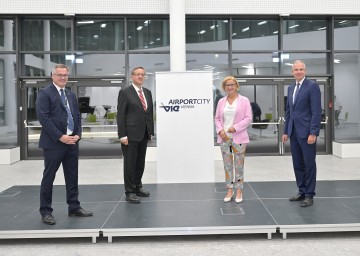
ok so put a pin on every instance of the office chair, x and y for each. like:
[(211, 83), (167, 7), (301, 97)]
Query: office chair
[(343, 123)]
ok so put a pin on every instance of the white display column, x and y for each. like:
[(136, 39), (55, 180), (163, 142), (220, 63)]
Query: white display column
[(177, 35), (185, 140)]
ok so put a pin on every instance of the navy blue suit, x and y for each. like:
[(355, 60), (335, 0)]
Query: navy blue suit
[(52, 115), (302, 119)]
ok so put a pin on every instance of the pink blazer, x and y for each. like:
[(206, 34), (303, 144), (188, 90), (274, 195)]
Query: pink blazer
[(242, 119)]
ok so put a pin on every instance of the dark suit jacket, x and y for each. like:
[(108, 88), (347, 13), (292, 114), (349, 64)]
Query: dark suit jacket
[(305, 113), (132, 120), (52, 115)]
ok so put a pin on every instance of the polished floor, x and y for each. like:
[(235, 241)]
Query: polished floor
[(258, 169)]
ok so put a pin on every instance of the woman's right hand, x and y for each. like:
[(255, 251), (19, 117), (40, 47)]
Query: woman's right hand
[(222, 134)]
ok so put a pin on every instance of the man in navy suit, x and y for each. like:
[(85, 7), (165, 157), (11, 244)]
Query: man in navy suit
[(135, 128), (58, 112), (302, 125)]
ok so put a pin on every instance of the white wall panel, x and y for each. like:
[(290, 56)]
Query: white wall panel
[(191, 7)]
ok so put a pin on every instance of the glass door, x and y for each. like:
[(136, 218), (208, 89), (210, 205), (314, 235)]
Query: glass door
[(264, 130), (268, 102), (98, 108)]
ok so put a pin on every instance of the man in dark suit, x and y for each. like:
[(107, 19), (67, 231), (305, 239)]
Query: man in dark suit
[(135, 128), (302, 125), (58, 112)]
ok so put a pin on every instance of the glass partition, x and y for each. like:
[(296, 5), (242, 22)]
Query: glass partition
[(148, 34), (246, 64), (346, 34), (255, 34), (305, 34), (207, 34), (347, 92), (46, 34), (7, 35), (99, 35), (99, 64), (8, 109), (215, 62)]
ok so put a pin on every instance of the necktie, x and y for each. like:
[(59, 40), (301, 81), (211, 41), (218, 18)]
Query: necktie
[(141, 96), (296, 91), (70, 120)]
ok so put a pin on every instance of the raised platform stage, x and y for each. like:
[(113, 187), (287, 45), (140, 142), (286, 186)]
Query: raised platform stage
[(183, 209)]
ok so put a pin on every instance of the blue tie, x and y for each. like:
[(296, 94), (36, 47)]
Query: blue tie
[(70, 120)]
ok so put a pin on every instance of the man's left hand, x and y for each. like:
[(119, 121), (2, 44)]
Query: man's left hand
[(311, 139)]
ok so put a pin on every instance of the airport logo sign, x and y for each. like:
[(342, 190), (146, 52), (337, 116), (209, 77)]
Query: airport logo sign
[(174, 105)]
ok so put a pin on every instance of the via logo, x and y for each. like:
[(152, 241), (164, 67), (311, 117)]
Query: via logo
[(170, 108)]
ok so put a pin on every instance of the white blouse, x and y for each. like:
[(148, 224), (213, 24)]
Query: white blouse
[(229, 115)]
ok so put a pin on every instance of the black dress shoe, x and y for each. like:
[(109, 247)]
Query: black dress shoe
[(48, 219), (80, 212), (132, 198), (297, 198), (308, 201), (142, 192)]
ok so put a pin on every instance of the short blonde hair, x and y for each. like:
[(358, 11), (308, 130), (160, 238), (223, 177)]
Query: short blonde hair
[(227, 79)]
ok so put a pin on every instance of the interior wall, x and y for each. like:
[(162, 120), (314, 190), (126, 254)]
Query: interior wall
[(191, 7)]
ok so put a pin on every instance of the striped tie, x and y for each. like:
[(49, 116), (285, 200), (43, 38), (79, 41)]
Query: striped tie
[(141, 96)]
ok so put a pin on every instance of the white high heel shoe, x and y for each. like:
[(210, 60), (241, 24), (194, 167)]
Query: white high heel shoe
[(239, 200), (228, 199)]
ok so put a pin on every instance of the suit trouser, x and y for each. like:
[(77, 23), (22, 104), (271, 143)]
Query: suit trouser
[(134, 164), (68, 156), (303, 156)]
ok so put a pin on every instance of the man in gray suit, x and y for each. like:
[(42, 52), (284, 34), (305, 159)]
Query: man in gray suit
[(135, 128)]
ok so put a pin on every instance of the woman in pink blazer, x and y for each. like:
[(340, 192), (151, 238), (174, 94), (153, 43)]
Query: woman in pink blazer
[(232, 118)]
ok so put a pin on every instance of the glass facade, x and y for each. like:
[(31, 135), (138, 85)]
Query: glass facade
[(105, 48), (306, 34), (99, 35), (8, 110), (255, 35), (207, 34), (46, 35), (346, 80)]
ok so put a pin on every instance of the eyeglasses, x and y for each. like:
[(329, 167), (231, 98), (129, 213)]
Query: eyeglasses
[(139, 74), (230, 85), (62, 75)]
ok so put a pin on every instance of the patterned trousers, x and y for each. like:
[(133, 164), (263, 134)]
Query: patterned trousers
[(233, 157)]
